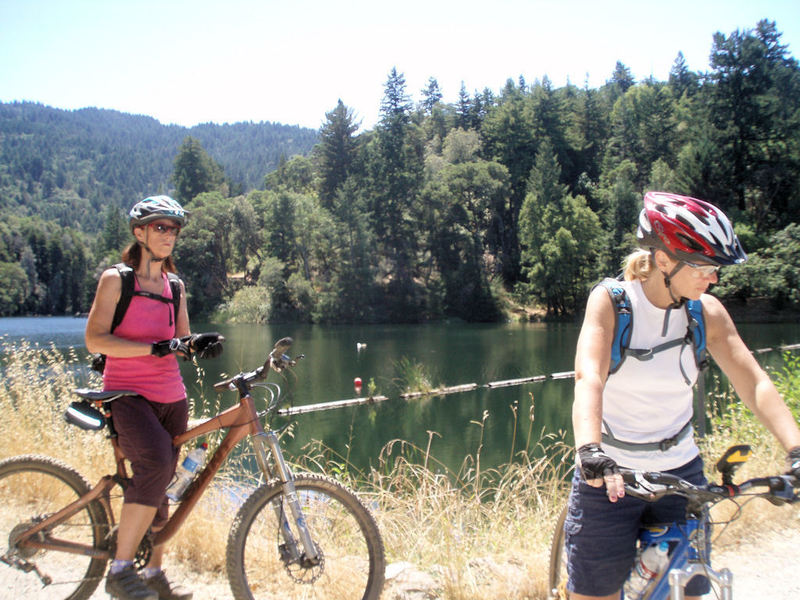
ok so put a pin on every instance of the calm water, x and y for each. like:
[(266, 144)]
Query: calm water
[(452, 354)]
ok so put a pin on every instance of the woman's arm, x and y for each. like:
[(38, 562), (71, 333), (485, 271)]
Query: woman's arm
[(592, 361), (750, 381), (98, 327)]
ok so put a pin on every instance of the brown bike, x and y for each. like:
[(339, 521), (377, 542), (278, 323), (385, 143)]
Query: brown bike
[(295, 536)]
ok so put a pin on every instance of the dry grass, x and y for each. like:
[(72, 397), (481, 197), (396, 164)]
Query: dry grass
[(481, 533)]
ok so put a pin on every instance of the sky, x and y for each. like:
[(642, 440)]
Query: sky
[(187, 62)]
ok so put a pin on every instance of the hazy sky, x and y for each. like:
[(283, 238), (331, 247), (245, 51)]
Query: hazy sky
[(197, 61)]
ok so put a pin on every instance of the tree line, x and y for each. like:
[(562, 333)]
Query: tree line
[(522, 196)]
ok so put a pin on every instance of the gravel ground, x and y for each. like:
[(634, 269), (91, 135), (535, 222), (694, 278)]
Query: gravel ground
[(764, 566)]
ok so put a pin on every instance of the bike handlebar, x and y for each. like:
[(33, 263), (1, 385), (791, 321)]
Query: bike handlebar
[(653, 485), (277, 360)]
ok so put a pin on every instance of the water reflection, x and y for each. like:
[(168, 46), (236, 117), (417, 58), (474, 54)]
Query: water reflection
[(485, 419)]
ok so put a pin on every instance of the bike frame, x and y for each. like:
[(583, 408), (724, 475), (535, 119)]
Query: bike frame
[(685, 560), (242, 420)]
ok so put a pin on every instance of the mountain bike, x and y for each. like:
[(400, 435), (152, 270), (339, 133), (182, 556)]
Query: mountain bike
[(295, 536), (690, 541)]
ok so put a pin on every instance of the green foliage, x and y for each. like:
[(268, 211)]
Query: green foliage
[(773, 272), (68, 166), (14, 290), (440, 211), (195, 172), (787, 380), (560, 235)]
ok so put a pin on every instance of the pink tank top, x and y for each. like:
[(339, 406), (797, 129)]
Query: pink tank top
[(157, 379)]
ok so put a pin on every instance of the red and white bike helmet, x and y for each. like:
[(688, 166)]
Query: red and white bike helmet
[(688, 229)]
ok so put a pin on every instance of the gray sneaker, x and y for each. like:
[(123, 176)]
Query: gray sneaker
[(127, 585), (166, 591)]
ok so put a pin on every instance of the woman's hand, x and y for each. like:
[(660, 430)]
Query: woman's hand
[(206, 345), (598, 468)]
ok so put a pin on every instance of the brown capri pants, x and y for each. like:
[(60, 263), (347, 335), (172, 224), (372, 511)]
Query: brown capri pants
[(145, 430)]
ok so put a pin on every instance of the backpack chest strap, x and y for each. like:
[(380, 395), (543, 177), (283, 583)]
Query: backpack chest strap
[(662, 445)]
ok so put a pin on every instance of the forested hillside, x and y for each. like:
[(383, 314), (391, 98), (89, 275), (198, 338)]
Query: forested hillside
[(527, 194), (68, 166)]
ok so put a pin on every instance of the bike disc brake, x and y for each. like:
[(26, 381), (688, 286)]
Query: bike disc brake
[(303, 571)]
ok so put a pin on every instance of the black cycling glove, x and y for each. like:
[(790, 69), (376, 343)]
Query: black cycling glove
[(793, 462), (206, 345), (165, 347), (595, 464)]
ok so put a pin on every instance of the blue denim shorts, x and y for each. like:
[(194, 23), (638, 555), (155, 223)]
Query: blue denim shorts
[(601, 536)]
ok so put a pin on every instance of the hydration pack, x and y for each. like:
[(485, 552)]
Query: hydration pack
[(126, 295), (623, 329), (128, 292), (620, 349)]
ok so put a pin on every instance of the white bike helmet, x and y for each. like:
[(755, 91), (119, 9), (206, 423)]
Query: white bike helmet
[(153, 208)]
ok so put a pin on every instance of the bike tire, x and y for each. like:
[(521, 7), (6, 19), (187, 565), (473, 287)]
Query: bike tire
[(33, 486), (557, 577), (342, 527)]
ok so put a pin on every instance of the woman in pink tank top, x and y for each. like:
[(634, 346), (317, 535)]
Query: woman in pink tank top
[(141, 358)]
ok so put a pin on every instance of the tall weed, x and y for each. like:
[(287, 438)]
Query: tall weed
[(479, 532)]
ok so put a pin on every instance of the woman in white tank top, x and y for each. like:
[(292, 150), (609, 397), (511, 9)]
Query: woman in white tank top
[(683, 242)]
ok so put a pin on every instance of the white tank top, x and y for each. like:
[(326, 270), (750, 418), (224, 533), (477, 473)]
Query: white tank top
[(649, 400)]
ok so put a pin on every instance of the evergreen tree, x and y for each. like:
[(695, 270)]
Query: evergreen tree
[(509, 130), (195, 171), (560, 237), (681, 79), (754, 111), (336, 152), (397, 169), (431, 96)]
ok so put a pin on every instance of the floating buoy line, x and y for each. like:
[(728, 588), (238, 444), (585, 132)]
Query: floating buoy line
[(456, 389)]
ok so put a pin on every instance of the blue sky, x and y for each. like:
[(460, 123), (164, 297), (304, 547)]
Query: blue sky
[(197, 61)]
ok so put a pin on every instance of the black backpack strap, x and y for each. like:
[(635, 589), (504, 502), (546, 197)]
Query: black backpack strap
[(126, 294), (175, 286)]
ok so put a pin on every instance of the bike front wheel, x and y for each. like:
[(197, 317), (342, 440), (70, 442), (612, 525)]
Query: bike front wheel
[(31, 489), (557, 579), (352, 564)]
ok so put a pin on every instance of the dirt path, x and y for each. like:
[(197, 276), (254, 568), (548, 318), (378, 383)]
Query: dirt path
[(765, 566)]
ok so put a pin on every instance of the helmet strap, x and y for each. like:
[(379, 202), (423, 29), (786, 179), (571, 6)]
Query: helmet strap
[(676, 302)]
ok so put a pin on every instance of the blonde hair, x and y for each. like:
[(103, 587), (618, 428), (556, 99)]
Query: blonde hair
[(638, 265)]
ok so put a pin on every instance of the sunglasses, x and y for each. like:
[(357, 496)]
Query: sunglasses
[(163, 228), (705, 270)]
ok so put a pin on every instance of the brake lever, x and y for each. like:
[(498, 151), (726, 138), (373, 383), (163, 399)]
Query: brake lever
[(782, 487)]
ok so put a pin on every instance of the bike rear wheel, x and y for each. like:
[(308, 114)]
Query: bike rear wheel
[(32, 488), (344, 530), (557, 579)]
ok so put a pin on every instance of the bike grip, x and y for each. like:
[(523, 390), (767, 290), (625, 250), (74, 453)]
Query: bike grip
[(281, 347), (223, 386)]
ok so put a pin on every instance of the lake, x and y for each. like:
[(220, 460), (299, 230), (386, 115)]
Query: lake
[(452, 354)]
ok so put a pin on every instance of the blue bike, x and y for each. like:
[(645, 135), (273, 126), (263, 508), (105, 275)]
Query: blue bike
[(689, 541)]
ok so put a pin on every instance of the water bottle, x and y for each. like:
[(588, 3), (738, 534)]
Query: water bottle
[(649, 565), (185, 472)]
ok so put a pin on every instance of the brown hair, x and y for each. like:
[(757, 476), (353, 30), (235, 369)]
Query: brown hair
[(132, 256)]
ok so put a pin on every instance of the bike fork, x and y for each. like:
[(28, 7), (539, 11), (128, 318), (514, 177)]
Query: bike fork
[(678, 578), (291, 548)]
